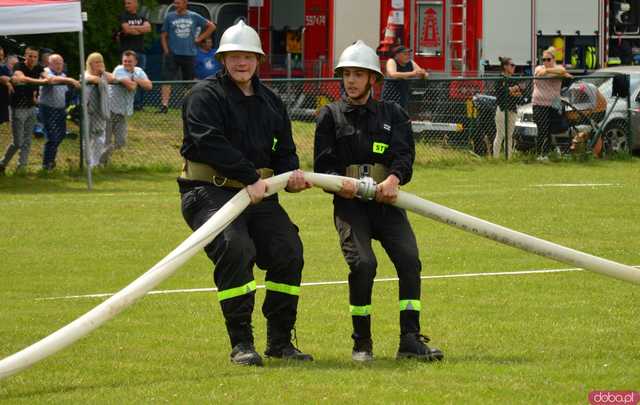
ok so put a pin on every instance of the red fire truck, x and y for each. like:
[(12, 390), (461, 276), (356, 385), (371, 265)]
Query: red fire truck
[(304, 37)]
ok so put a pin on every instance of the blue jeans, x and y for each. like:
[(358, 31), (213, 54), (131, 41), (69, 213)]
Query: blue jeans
[(55, 125), (138, 101)]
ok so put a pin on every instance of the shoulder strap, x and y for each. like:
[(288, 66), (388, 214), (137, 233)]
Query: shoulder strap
[(339, 120)]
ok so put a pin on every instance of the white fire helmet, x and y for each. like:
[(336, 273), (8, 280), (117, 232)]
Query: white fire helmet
[(359, 55), (240, 37)]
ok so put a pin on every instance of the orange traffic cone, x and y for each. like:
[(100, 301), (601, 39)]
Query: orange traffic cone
[(390, 34)]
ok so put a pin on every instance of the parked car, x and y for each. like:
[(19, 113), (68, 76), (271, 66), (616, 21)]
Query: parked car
[(614, 124)]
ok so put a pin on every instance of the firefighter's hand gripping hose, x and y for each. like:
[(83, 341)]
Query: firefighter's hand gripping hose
[(206, 233)]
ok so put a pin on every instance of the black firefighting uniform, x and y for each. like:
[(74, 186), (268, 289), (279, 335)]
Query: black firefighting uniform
[(377, 132), (237, 134)]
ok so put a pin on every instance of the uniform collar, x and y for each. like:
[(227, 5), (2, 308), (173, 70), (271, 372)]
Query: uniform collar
[(369, 105), (235, 92)]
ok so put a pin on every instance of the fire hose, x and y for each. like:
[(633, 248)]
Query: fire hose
[(126, 297)]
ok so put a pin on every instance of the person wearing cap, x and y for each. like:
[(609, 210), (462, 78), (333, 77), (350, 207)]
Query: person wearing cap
[(236, 133), (401, 67), (371, 141)]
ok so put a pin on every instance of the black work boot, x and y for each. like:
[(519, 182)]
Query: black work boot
[(245, 354), (279, 345), (362, 344), (241, 337), (414, 346), (362, 350)]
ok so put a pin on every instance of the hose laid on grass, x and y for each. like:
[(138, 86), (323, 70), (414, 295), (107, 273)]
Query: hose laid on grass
[(208, 231)]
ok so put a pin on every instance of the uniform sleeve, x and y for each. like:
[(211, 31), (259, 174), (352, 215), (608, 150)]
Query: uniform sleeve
[(402, 149), (204, 139), (325, 158), (284, 157)]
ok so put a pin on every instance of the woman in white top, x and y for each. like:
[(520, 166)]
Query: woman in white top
[(545, 92)]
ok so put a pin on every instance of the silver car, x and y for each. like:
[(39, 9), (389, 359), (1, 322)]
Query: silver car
[(614, 125)]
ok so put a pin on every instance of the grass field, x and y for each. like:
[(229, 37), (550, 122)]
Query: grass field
[(154, 141), (530, 339)]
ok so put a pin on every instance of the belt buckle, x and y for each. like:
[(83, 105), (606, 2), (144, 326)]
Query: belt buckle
[(365, 171), (215, 181)]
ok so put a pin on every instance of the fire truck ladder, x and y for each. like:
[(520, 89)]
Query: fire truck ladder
[(456, 57)]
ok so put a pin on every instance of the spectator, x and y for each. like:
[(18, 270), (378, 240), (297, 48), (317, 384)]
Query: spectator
[(545, 93), (130, 77), (507, 95), (5, 88), (38, 129), (11, 62), (133, 26), (45, 53), (179, 37), (97, 102), (399, 68), (206, 63), (27, 76), (52, 105)]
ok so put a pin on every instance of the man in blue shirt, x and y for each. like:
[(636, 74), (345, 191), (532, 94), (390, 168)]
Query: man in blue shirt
[(206, 63), (181, 31)]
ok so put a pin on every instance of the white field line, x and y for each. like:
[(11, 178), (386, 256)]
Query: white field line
[(378, 280), (578, 185)]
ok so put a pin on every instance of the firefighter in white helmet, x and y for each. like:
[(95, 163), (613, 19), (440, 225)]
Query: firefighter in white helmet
[(372, 142), (236, 133)]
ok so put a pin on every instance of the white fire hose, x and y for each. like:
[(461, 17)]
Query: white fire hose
[(208, 231)]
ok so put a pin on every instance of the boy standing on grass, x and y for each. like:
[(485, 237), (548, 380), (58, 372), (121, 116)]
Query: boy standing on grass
[(237, 133), (363, 138)]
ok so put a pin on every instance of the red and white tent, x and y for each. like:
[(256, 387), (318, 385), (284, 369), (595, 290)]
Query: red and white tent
[(20, 17)]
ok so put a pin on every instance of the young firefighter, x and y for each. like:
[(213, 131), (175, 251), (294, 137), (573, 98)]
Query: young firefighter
[(236, 133), (363, 138)]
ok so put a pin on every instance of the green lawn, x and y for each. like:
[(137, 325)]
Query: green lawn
[(154, 141), (530, 339)]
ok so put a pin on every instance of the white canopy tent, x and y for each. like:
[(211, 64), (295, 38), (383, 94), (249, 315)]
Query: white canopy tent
[(20, 17), (24, 17)]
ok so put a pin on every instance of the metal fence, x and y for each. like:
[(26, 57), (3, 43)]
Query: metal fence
[(453, 119)]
